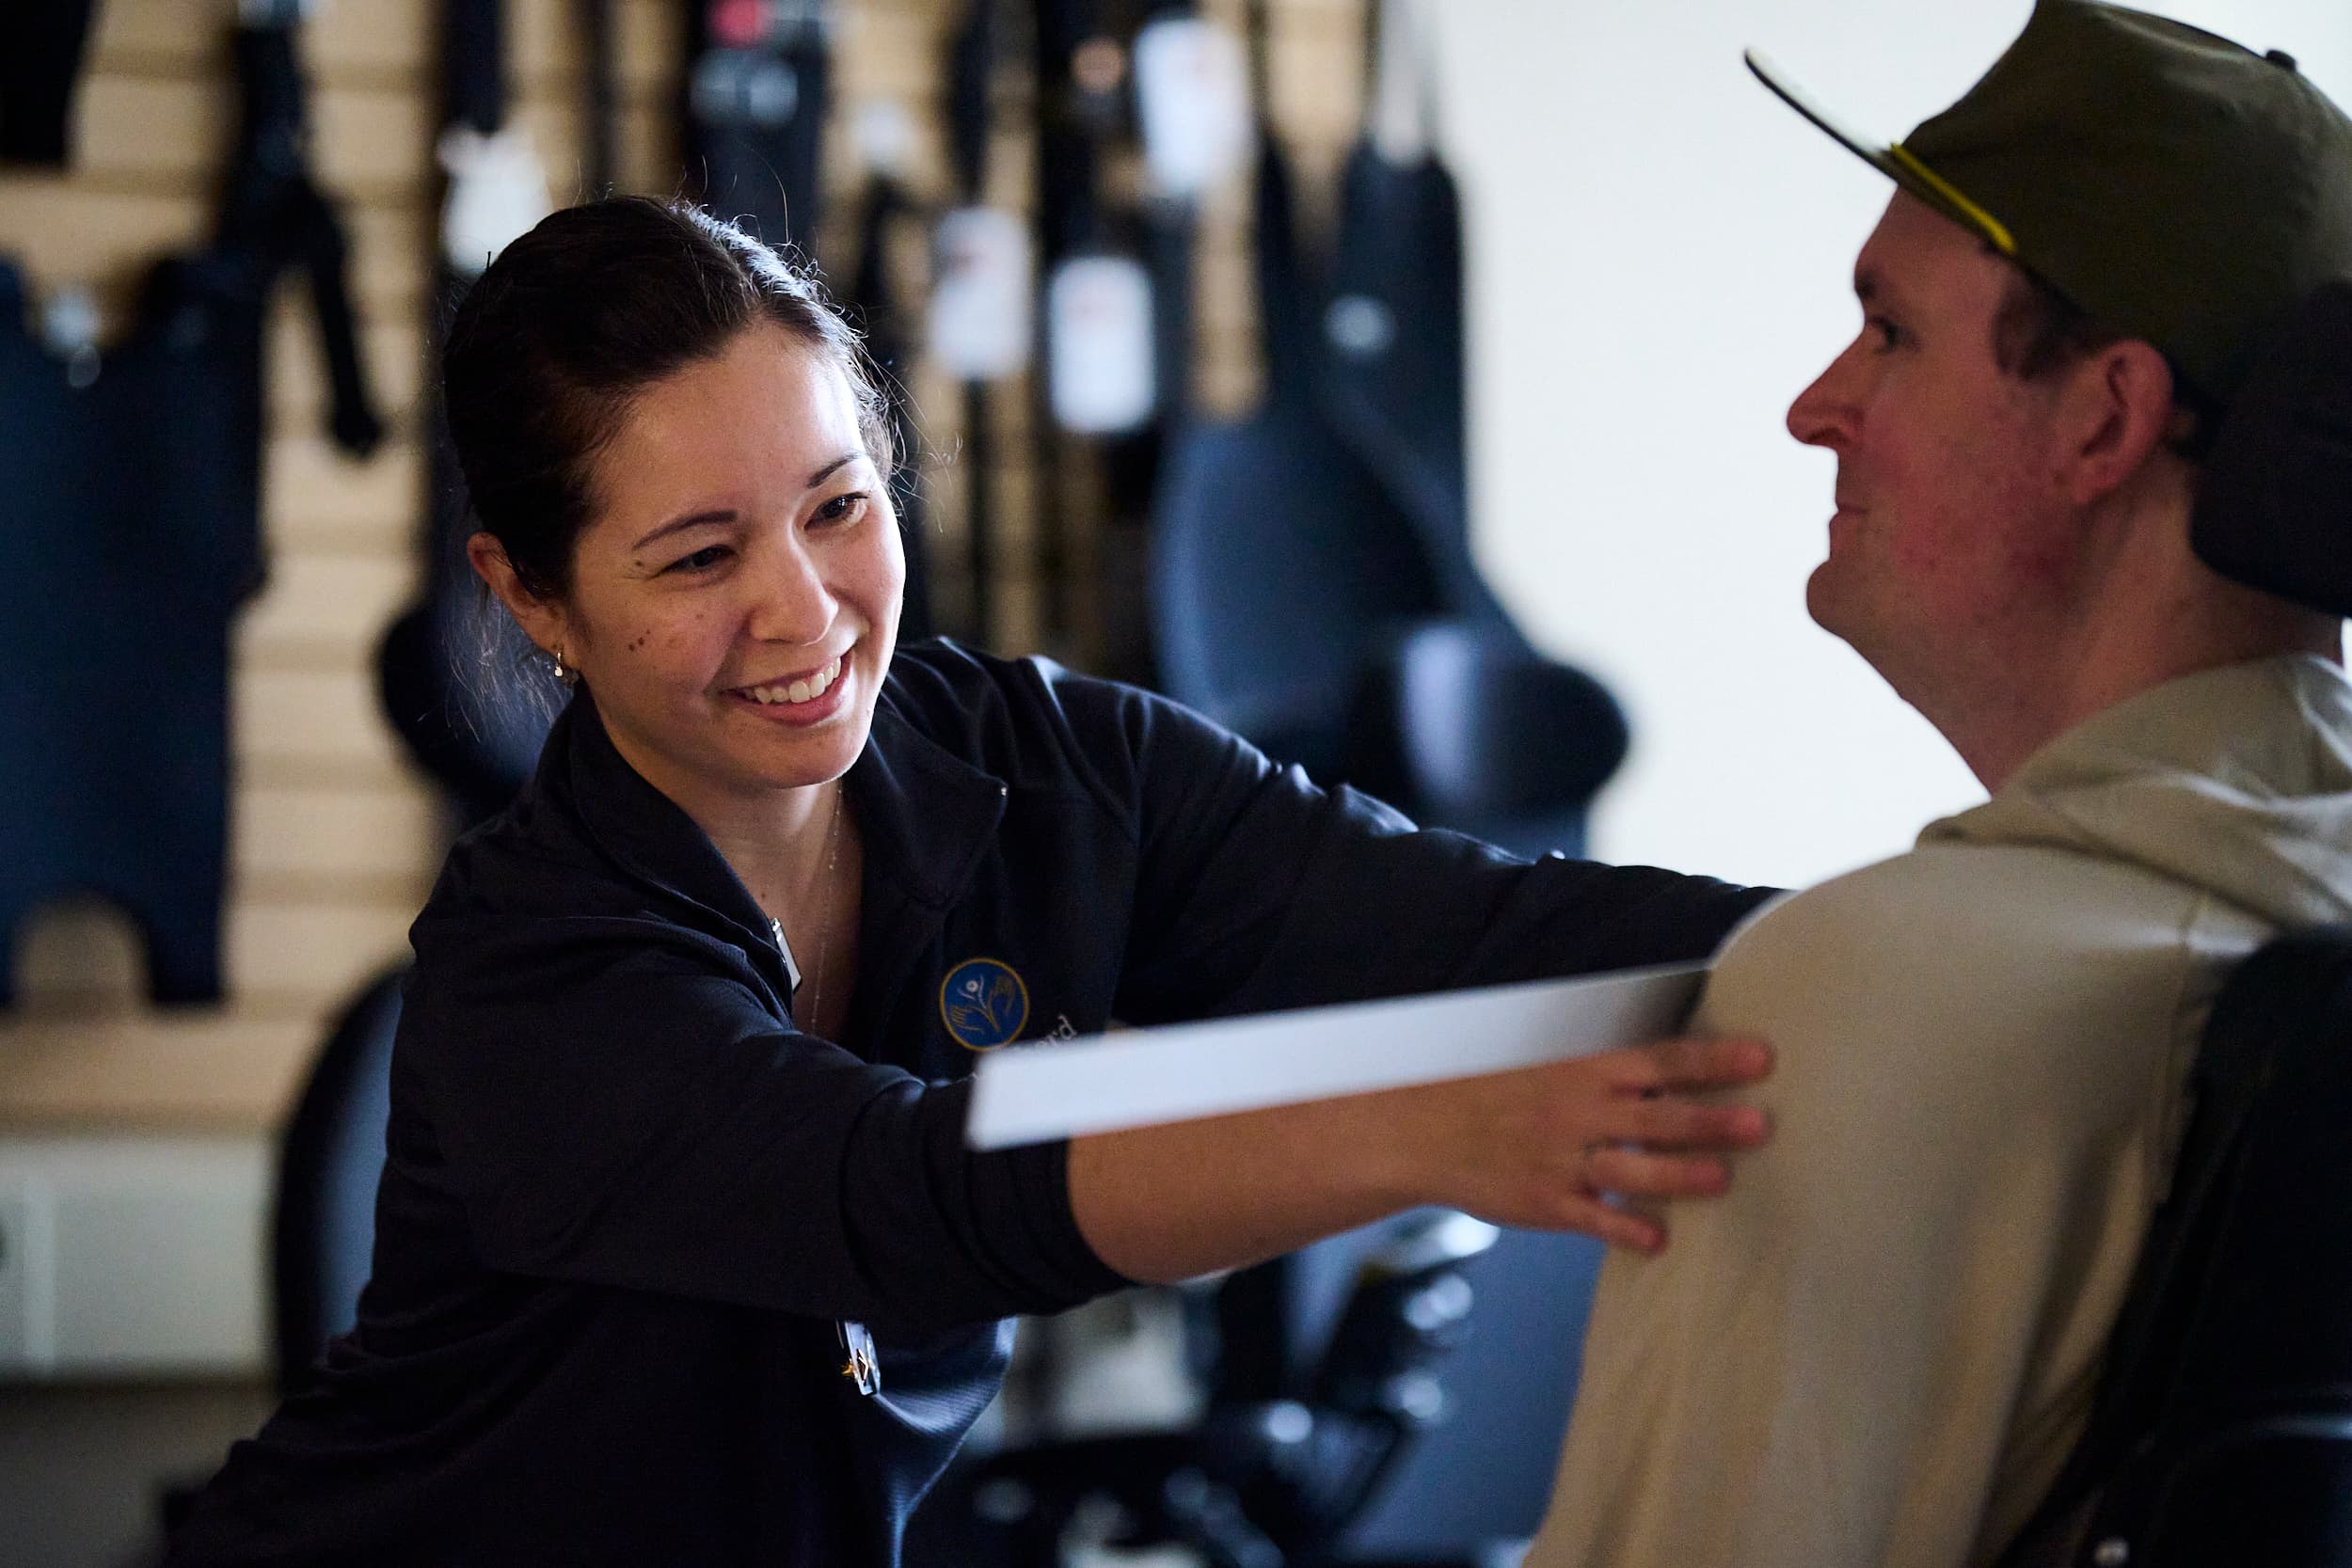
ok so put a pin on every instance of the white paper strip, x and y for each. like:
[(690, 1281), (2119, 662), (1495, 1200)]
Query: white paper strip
[(1057, 1090)]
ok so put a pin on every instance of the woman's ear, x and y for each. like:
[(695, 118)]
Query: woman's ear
[(2119, 411), (542, 620)]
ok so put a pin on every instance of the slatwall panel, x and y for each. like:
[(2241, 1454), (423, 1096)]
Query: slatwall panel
[(334, 838)]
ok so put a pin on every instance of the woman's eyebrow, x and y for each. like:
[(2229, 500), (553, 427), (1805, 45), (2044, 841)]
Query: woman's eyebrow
[(828, 470), (692, 519)]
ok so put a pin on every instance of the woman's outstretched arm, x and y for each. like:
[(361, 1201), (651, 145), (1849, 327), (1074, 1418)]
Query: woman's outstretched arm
[(1535, 1147)]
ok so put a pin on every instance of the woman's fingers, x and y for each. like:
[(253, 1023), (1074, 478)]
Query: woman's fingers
[(1692, 1064), (1590, 1216), (1643, 1173), (1678, 1124), (1547, 1146)]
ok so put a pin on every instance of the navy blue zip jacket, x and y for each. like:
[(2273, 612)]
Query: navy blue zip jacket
[(627, 1205)]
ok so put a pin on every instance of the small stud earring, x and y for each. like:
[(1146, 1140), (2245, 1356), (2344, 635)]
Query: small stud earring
[(559, 662)]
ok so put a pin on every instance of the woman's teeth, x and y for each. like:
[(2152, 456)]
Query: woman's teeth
[(806, 690)]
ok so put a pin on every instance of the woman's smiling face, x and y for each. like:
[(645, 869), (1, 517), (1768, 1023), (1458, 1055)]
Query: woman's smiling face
[(733, 599)]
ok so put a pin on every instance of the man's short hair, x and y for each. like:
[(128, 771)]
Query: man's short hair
[(2038, 331)]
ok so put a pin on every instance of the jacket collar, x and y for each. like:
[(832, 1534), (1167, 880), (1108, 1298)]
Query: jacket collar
[(924, 814)]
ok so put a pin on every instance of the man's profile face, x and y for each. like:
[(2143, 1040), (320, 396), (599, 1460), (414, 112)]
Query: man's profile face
[(1949, 519)]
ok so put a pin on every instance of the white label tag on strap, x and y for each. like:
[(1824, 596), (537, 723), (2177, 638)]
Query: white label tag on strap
[(980, 322), (498, 191), (1142, 1077), (1192, 103), (1098, 322)]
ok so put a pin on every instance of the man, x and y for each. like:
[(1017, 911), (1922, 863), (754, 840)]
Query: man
[(1879, 1349)]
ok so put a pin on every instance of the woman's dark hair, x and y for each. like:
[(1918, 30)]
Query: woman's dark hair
[(580, 316)]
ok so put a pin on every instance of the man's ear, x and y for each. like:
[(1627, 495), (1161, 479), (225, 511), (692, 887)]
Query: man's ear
[(2117, 410), (542, 620)]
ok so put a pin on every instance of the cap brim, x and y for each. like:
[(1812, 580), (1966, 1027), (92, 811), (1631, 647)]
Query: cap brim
[(1877, 152)]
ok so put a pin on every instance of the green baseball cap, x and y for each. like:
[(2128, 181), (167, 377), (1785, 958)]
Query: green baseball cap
[(2178, 187)]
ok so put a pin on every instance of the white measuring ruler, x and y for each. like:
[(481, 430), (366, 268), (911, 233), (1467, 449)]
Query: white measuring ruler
[(1136, 1078)]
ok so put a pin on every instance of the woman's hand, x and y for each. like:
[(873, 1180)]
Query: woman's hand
[(1534, 1147), (1540, 1147)]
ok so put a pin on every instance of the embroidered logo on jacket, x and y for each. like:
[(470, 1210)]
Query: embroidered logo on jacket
[(984, 1003)]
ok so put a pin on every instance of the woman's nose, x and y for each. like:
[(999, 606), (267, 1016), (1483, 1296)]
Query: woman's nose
[(793, 602)]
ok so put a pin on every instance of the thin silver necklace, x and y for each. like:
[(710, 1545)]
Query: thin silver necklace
[(825, 934)]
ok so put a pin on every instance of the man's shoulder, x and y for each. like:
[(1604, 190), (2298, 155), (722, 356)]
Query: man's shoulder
[(1983, 932), (2021, 895)]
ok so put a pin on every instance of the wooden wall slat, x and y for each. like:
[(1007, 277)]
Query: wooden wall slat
[(303, 716), (394, 352), (129, 1070), (315, 496), (105, 238), (650, 45), (173, 131), (59, 234), (342, 600), (327, 949), (89, 951), (190, 37), (365, 835), (369, 142)]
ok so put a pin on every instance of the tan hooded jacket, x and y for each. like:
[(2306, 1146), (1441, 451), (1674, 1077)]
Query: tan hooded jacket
[(1877, 1351)]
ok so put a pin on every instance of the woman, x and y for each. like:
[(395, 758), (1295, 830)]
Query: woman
[(645, 1229)]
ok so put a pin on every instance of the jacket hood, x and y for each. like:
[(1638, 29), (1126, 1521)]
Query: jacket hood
[(2236, 780)]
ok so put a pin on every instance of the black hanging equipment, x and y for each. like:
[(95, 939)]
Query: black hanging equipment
[(757, 94), (42, 43), (453, 675), (131, 486), (873, 300)]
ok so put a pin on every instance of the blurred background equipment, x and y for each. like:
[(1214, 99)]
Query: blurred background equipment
[(884, 136), (133, 477), (979, 322), (1268, 1477), (456, 680), (1312, 584), (758, 85), (41, 65)]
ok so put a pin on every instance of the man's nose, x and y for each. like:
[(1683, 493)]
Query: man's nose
[(1824, 414), (794, 603)]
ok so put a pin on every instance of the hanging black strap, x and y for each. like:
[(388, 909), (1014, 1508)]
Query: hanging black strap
[(597, 161), (473, 64), (756, 100), (971, 68), (42, 43), (971, 74), (1285, 311), (274, 211)]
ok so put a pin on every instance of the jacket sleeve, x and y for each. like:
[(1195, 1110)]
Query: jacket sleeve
[(1258, 890), (615, 1105)]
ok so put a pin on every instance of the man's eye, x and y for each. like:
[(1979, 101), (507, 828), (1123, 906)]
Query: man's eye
[(1889, 335), (842, 508), (701, 561)]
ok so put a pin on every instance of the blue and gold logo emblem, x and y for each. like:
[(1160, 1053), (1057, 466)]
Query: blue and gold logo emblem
[(984, 1003)]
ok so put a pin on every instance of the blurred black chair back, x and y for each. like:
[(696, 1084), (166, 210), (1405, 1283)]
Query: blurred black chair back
[(1279, 561), (323, 1237), (1310, 580), (2223, 1427)]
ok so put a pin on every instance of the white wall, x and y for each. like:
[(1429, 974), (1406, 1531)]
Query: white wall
[(1660, 258)]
